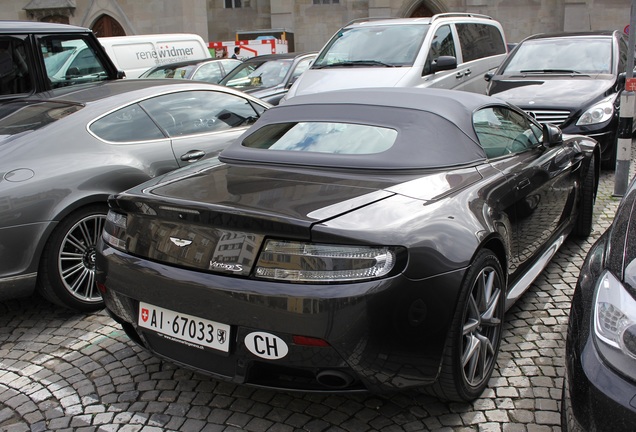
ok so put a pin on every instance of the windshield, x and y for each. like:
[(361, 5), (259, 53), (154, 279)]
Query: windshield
[(562, 55), (253, 75), (178, 72), (381, 45), (21, 116)]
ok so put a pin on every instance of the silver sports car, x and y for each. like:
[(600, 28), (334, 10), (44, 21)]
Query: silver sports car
[(64, 152)]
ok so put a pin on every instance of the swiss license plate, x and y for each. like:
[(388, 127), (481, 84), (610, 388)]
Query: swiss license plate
[(183, 328)]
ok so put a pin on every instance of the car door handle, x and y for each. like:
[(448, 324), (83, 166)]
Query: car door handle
[(192, 156), (459, 75), (523, 184), (467, 72)]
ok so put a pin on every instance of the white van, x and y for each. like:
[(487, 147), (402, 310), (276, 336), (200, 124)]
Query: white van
[(450, 50), (136, 54)]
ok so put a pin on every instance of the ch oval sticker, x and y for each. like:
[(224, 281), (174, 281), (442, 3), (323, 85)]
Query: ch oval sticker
[(266, 345)]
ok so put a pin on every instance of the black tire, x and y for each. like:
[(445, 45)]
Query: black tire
[(609, 164), (584, 219), (471, 350), (568, 422), (66, 275)]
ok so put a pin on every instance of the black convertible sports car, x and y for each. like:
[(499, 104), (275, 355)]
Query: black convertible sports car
[(353, 240), (599, 389)]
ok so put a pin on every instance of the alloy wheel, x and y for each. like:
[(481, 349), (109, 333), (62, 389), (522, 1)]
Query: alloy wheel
[(76, 258), (482, 327)]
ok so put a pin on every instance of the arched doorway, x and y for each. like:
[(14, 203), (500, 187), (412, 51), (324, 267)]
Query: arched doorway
[(422, 11), (106, 25), (422, 8)]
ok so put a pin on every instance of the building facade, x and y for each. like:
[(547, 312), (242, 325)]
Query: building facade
[(310, 22)]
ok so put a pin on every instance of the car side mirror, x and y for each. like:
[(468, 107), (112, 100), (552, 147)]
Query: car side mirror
[(72, 72), (488, 76), (552, 135), (620, 82), (121, 74), (442, 63)]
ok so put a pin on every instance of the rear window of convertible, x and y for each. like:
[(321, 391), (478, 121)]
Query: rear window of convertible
[(323, 137)]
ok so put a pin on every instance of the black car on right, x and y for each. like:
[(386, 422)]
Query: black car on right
[(572, 80), (599, 389)]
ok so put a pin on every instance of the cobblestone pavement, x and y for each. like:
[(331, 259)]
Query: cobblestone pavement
[(61, 371)]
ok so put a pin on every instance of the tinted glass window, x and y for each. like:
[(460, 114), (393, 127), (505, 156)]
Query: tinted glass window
[(196, 112), (125, 125), (70, 61), (15, 76), (19, 117), (168, 72), (396, 45), (443, 44), (567, 54), (622, 55), (323, 137), (267, 74), (479, 40), (301, 67), (502, 131), (210, 72)]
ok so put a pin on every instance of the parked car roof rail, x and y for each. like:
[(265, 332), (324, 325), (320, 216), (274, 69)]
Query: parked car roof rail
[(459, 14), (361, 20)]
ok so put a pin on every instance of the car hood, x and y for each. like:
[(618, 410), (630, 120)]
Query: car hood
[(321, 80), (250, 202), (557, 92)]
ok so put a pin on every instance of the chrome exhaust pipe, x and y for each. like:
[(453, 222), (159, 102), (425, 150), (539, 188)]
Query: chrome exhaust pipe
[(334, 379)]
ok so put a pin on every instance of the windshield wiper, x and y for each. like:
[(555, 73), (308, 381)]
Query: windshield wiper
[(355, 63), (566, 71)]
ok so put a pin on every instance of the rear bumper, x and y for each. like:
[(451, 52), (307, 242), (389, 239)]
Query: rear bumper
[(382, 335)]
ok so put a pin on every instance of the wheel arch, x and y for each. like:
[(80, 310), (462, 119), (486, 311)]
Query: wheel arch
[(495, 244), (63, 211)]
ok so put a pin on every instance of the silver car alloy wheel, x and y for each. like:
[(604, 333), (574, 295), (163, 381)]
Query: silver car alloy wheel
[(76, 258), (482, 327)]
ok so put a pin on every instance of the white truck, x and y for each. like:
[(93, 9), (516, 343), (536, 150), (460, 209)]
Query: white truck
[(136, 54)]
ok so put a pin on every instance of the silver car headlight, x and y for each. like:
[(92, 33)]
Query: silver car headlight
[(615, 316), (291, 261), (598, 113)]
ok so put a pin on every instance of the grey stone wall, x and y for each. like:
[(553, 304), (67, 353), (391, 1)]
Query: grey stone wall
[(313, 24)]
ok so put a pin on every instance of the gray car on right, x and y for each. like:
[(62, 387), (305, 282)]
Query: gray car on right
[(572, 80)]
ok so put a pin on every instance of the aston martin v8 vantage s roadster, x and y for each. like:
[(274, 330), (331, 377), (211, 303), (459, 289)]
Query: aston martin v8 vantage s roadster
[(355, 240)]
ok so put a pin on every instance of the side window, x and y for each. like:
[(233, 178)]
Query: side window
[(70, 61), (502, 131), (479, 40), (622, 55), (197, 112), (127, 124), (301, 67), (15, 76), (210, 72), (443, 44)]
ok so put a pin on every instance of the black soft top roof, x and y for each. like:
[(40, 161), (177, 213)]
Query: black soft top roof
[(434, 127)]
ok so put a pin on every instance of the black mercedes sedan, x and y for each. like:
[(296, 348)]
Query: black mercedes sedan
[(572, 80), (354, 240), (601, 337)]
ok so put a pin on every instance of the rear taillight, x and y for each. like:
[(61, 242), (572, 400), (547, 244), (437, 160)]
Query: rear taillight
[(114, 232)]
